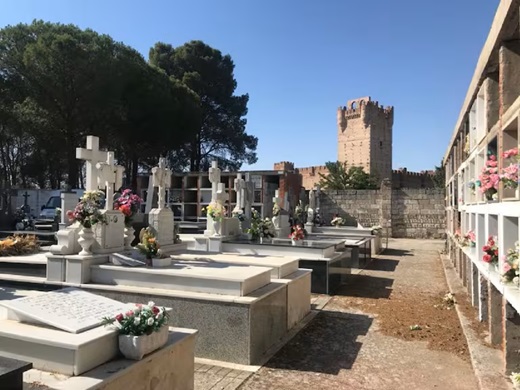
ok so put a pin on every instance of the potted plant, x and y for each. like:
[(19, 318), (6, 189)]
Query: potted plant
[(297, 235), (491, 253), (142, 330), (129, 204), (87, 213), (150, 248)]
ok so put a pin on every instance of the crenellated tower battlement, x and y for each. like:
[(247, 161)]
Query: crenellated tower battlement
[(365, 135)]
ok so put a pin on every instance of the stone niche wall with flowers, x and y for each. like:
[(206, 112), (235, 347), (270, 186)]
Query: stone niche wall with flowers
[(414, 212)]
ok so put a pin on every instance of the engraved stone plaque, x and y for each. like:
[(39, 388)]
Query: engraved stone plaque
[(69, 309)]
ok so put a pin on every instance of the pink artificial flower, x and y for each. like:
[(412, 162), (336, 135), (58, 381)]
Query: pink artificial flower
[(487, 258), (510, 153), (507, 267)]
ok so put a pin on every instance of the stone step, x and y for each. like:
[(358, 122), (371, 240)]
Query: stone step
[(13, 277), (28, 265), (214, 278)]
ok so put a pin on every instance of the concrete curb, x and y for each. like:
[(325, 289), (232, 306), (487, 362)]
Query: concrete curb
[(486, 361)]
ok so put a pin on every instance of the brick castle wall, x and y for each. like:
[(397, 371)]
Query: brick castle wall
[(415, 212)]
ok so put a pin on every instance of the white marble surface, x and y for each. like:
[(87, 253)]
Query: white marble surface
[(162, 222), (298, 296), (109, 237), (215, 278), (69, 309), (280, 266)]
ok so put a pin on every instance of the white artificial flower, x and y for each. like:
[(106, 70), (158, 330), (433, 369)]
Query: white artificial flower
[(151, 304), (137, 320), (150, 321), (137, 310)]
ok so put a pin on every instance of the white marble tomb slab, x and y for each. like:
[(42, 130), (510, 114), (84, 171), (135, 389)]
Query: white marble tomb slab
[(280, 266), (69, 309)]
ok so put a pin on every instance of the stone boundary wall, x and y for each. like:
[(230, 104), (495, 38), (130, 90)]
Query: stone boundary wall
[(413, 212)]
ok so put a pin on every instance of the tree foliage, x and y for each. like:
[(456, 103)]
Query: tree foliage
[(439, 176), (221, 134), (59, 83), (341, 178)]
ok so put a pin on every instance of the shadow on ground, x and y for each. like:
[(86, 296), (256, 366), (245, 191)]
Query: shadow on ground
[(383, 265), (327, 345), (396, 252), (366, 286)]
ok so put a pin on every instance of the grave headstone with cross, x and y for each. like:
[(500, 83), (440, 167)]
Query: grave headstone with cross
[(161, 219), (109, 236), (280, 221), (92, 155), (249, 193)]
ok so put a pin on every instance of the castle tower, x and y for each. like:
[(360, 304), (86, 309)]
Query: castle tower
[(365, 136)]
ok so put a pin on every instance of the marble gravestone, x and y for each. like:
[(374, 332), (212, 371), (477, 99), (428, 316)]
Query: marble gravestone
[(239, 188), (67, 236), (249, 195), (161, 219), (109, 236), (70, 309), (281, 221), (309, 225)]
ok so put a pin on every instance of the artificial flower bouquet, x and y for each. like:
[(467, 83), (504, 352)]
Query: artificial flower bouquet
[(376, 230), (139, 321), (129, 204), (260, 227), (148, 245), (299, 211), (215, 210), (515, 378), (239, 214), (490, 251), (490, 178), (337, 221), (509, 174), (510, 269), (468, 239), (88, 210), (297, 233)]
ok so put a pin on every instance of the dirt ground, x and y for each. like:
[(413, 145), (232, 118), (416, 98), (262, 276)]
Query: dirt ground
[(363, 338)]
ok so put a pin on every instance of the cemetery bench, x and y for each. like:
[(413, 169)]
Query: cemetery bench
[(11, 373)]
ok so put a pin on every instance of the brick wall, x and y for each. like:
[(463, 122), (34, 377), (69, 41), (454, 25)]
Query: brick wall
[(414, 212)]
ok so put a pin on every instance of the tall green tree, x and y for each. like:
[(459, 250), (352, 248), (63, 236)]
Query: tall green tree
[(222, 132), (63, 83), (341, 178)]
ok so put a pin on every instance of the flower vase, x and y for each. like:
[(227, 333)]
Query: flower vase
[(216, 228), (135, 347), (296, 242), (493, 267), (129, 236), (261, 240), (85, 240)]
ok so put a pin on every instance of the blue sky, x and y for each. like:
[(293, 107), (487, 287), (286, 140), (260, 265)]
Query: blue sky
[(300, 60)]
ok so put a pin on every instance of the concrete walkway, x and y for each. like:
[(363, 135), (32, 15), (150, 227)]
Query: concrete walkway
[(362, 339)]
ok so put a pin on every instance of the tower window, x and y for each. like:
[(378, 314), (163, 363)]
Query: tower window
[(380, 144)]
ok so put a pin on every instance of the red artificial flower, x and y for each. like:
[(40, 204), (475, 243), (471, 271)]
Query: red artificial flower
[(496, 252), (487, 258), (485, 248), (129, 313), (119, 317), (155, 310)]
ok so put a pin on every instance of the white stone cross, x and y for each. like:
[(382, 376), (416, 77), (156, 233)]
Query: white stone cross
[(249, 195), (109, 175), (240, 186), (277, 200), (214, 178), (162, 178), (92, 155)]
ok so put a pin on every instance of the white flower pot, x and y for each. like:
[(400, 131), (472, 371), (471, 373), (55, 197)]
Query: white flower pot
[(135, 347), (161, 262), (297, 242), (85, 240), (129, 236), (216, 228)]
